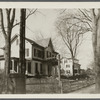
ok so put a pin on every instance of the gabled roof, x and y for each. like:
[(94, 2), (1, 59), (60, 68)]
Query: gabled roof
[(33, 42), (43, 42), (29, 40)]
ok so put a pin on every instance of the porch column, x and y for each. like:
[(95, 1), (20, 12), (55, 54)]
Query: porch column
[(45, 69), (17, 68), (53, 71), (26, 68)]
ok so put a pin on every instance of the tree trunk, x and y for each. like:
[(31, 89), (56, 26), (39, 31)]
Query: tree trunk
[(73, 66), (97, 80), (22, 51), (97, 58), (7, 65), (96, 48)]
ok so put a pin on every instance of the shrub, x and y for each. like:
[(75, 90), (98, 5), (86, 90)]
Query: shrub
[(83, 76)]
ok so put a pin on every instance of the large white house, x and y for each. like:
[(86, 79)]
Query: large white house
[(40, 56), (67, 66)]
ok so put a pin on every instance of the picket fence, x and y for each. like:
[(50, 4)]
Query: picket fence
[(51, 85)]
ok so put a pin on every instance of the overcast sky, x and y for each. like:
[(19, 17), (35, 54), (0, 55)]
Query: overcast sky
[(42, 24)]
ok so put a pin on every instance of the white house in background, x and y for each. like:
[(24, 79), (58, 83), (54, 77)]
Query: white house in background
[(40, 56), (67, 66)]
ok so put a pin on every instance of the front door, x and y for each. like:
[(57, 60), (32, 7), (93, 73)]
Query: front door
[(29, 67), (36, 69), (49, 70)]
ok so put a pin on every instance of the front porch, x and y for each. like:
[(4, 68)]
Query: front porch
[(36, 68)]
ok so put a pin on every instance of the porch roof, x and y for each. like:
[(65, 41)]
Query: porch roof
[(2, 58)]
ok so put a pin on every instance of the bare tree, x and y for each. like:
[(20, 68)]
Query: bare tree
[(71, 30), (96, 45), (82, 15), (6, 31), (7, 36), (93, 18)]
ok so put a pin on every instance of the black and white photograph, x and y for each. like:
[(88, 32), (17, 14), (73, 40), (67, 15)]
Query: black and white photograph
[(49, 50)]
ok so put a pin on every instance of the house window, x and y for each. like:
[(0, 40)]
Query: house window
[(41, 69), (11, 65), (47, 54), (70, 60), (27, 52), (36, 68), (17, 42), (65, 61), (75, 71), (61, 61), (35, 52), (50, 54), (42, 54), (68, 71), (39, 53), (67, 66), (29, 67)]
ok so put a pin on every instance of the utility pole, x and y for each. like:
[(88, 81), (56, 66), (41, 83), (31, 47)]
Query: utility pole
[(18, 79), (22, 52), (22, 41), (59, 76)]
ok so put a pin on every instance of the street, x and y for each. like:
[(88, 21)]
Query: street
[(90, 90)]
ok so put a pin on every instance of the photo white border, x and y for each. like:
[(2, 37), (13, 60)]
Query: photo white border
[(50, 5)]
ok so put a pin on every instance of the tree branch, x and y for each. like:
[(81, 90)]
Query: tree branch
[(2, 24), (8, 17), (31, 12), (13, 17), (26, 17), (88, 18), (93, 13)]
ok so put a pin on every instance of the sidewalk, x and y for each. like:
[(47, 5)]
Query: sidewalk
[(88, 90)]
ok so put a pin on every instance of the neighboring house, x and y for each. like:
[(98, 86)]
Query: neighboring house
[(67, 66), (82, 71), (40, 57)]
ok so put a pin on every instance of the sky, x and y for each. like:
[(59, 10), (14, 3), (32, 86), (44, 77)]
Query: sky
[(42, 25)]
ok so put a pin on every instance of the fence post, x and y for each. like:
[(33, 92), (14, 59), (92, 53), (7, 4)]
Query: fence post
[(59, 76)]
